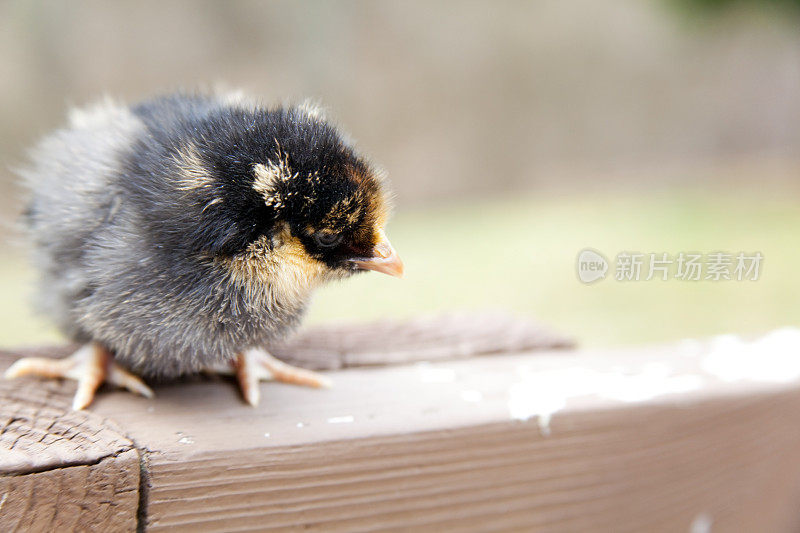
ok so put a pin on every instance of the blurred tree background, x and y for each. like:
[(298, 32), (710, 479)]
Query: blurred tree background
[(515, 134), (714, 7)]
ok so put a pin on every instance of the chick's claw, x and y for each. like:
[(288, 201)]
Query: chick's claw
[(90, 366), (255, 365)]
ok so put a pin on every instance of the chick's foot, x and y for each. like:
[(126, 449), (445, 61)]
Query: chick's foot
[(254, 365), (90, 366)]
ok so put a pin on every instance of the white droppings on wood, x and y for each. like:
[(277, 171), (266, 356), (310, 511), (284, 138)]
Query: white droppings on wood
[(472, 396), (431, 374), (773, 358), (341, 419), (526, 400), (655, 380), (543, 393), (186, 440)]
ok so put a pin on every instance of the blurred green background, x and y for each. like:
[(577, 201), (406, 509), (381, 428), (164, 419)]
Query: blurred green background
[(515, 135)]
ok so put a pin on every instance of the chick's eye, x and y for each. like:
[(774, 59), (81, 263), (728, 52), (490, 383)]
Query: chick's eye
[(327, 240)]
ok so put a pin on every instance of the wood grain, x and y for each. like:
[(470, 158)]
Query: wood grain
[(650, 469), (387, 342), (102, 497), (417, 455), (40, 431), (645, 439), (62, 470)]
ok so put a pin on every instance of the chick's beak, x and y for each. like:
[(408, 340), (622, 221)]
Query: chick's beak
[(384, 258)]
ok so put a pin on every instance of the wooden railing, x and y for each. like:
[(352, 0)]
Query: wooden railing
[(468, 423)]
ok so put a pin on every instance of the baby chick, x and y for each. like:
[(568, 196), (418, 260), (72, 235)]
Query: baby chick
[(186, 233)]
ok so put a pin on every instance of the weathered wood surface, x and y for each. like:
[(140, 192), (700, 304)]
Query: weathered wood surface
[(655, 439), (62, 470), (387, 342), (102, 496)]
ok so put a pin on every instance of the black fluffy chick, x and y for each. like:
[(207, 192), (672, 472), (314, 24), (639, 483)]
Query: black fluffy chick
[(188, 232)]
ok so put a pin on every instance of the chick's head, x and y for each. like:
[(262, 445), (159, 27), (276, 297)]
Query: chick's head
[(283, 186)]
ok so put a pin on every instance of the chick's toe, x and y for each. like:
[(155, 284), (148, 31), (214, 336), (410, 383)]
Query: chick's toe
[(91, 366), (255, 365)]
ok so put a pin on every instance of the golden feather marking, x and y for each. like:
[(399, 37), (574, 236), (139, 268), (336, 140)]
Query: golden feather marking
[(192, 173)]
